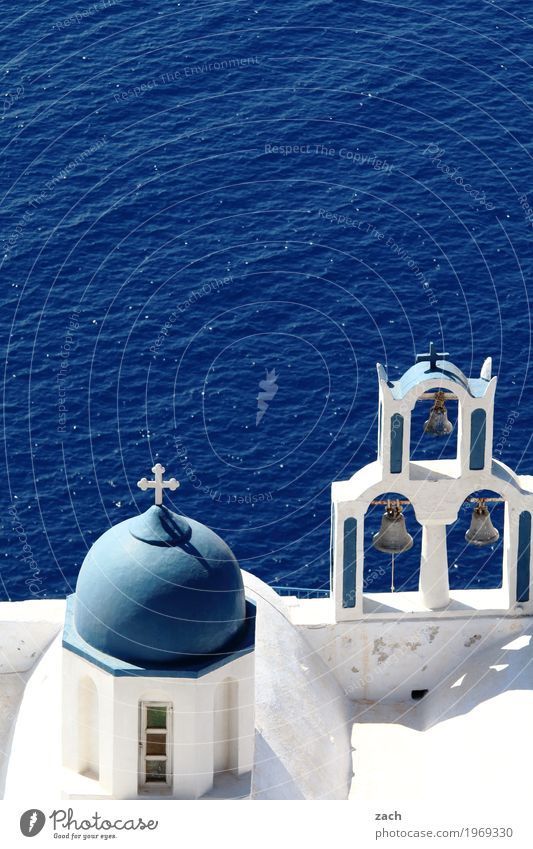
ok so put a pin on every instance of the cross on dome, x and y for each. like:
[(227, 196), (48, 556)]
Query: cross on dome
[(158, 484), (432, 356)]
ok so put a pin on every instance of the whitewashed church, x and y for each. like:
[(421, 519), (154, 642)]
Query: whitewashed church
[(153, 681)]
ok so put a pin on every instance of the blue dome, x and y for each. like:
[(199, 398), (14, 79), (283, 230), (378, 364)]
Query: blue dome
[(160, 588)]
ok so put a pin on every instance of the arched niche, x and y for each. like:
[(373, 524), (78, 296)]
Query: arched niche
[(470, 566), (423, 446), (225, 727), (88, 729), (379, 570)]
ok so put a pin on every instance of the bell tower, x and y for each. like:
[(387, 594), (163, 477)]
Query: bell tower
[(475, 399), (435, 489)]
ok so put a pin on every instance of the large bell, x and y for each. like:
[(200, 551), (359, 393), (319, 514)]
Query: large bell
[(438, 423), (481, 530), (392, 537)]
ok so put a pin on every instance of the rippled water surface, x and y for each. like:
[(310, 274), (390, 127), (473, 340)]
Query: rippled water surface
[(203, 203)]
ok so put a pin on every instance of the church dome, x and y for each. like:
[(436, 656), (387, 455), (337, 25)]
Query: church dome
[(160, 589)]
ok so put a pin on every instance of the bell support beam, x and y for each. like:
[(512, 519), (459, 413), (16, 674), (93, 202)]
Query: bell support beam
[(406, 500), (434, 584), (430, 396)]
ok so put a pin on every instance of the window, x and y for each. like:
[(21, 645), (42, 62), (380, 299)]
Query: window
[(156, 726)]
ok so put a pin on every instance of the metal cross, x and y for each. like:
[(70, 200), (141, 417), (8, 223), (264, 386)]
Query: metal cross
[(158, 484), (432, 356)]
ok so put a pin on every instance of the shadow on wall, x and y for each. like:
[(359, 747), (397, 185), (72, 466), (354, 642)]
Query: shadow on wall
[(503, 667), (487, 673), (301, 711), (271, 779)]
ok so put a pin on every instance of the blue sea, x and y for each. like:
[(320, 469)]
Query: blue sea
[(216, 219)]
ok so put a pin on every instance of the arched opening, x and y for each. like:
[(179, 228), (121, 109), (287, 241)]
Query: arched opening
[(225, 727), (88, 732), (387, 572), (425, 446), (476, 566)]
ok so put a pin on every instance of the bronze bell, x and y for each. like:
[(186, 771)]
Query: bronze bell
[(481, 530), (438, 423), (392, 537)]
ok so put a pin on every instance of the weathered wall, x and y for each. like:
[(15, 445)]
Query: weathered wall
[(384, 659), (468, 740)]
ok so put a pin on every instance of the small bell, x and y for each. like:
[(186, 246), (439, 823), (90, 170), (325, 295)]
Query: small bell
[(481, 530), (392, 537), (438, 424)]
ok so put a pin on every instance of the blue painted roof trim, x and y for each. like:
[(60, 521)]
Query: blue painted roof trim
[(420, 372), (120, 668)]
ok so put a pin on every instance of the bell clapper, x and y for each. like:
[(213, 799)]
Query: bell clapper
[(392, 574)]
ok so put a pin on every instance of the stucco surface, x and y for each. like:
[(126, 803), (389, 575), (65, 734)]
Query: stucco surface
[(302, 714), (469, 734), (468, 738), (303, 747)]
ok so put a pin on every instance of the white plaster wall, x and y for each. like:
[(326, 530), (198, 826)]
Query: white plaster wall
[(469, 738), (26, 629), (74, 670), (302, 715), (11, 693), (386, 659), (33, 768), (436, 494), (192, 738), (89, 729)]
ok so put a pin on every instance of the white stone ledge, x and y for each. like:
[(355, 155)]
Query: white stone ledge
[(26, 629)]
